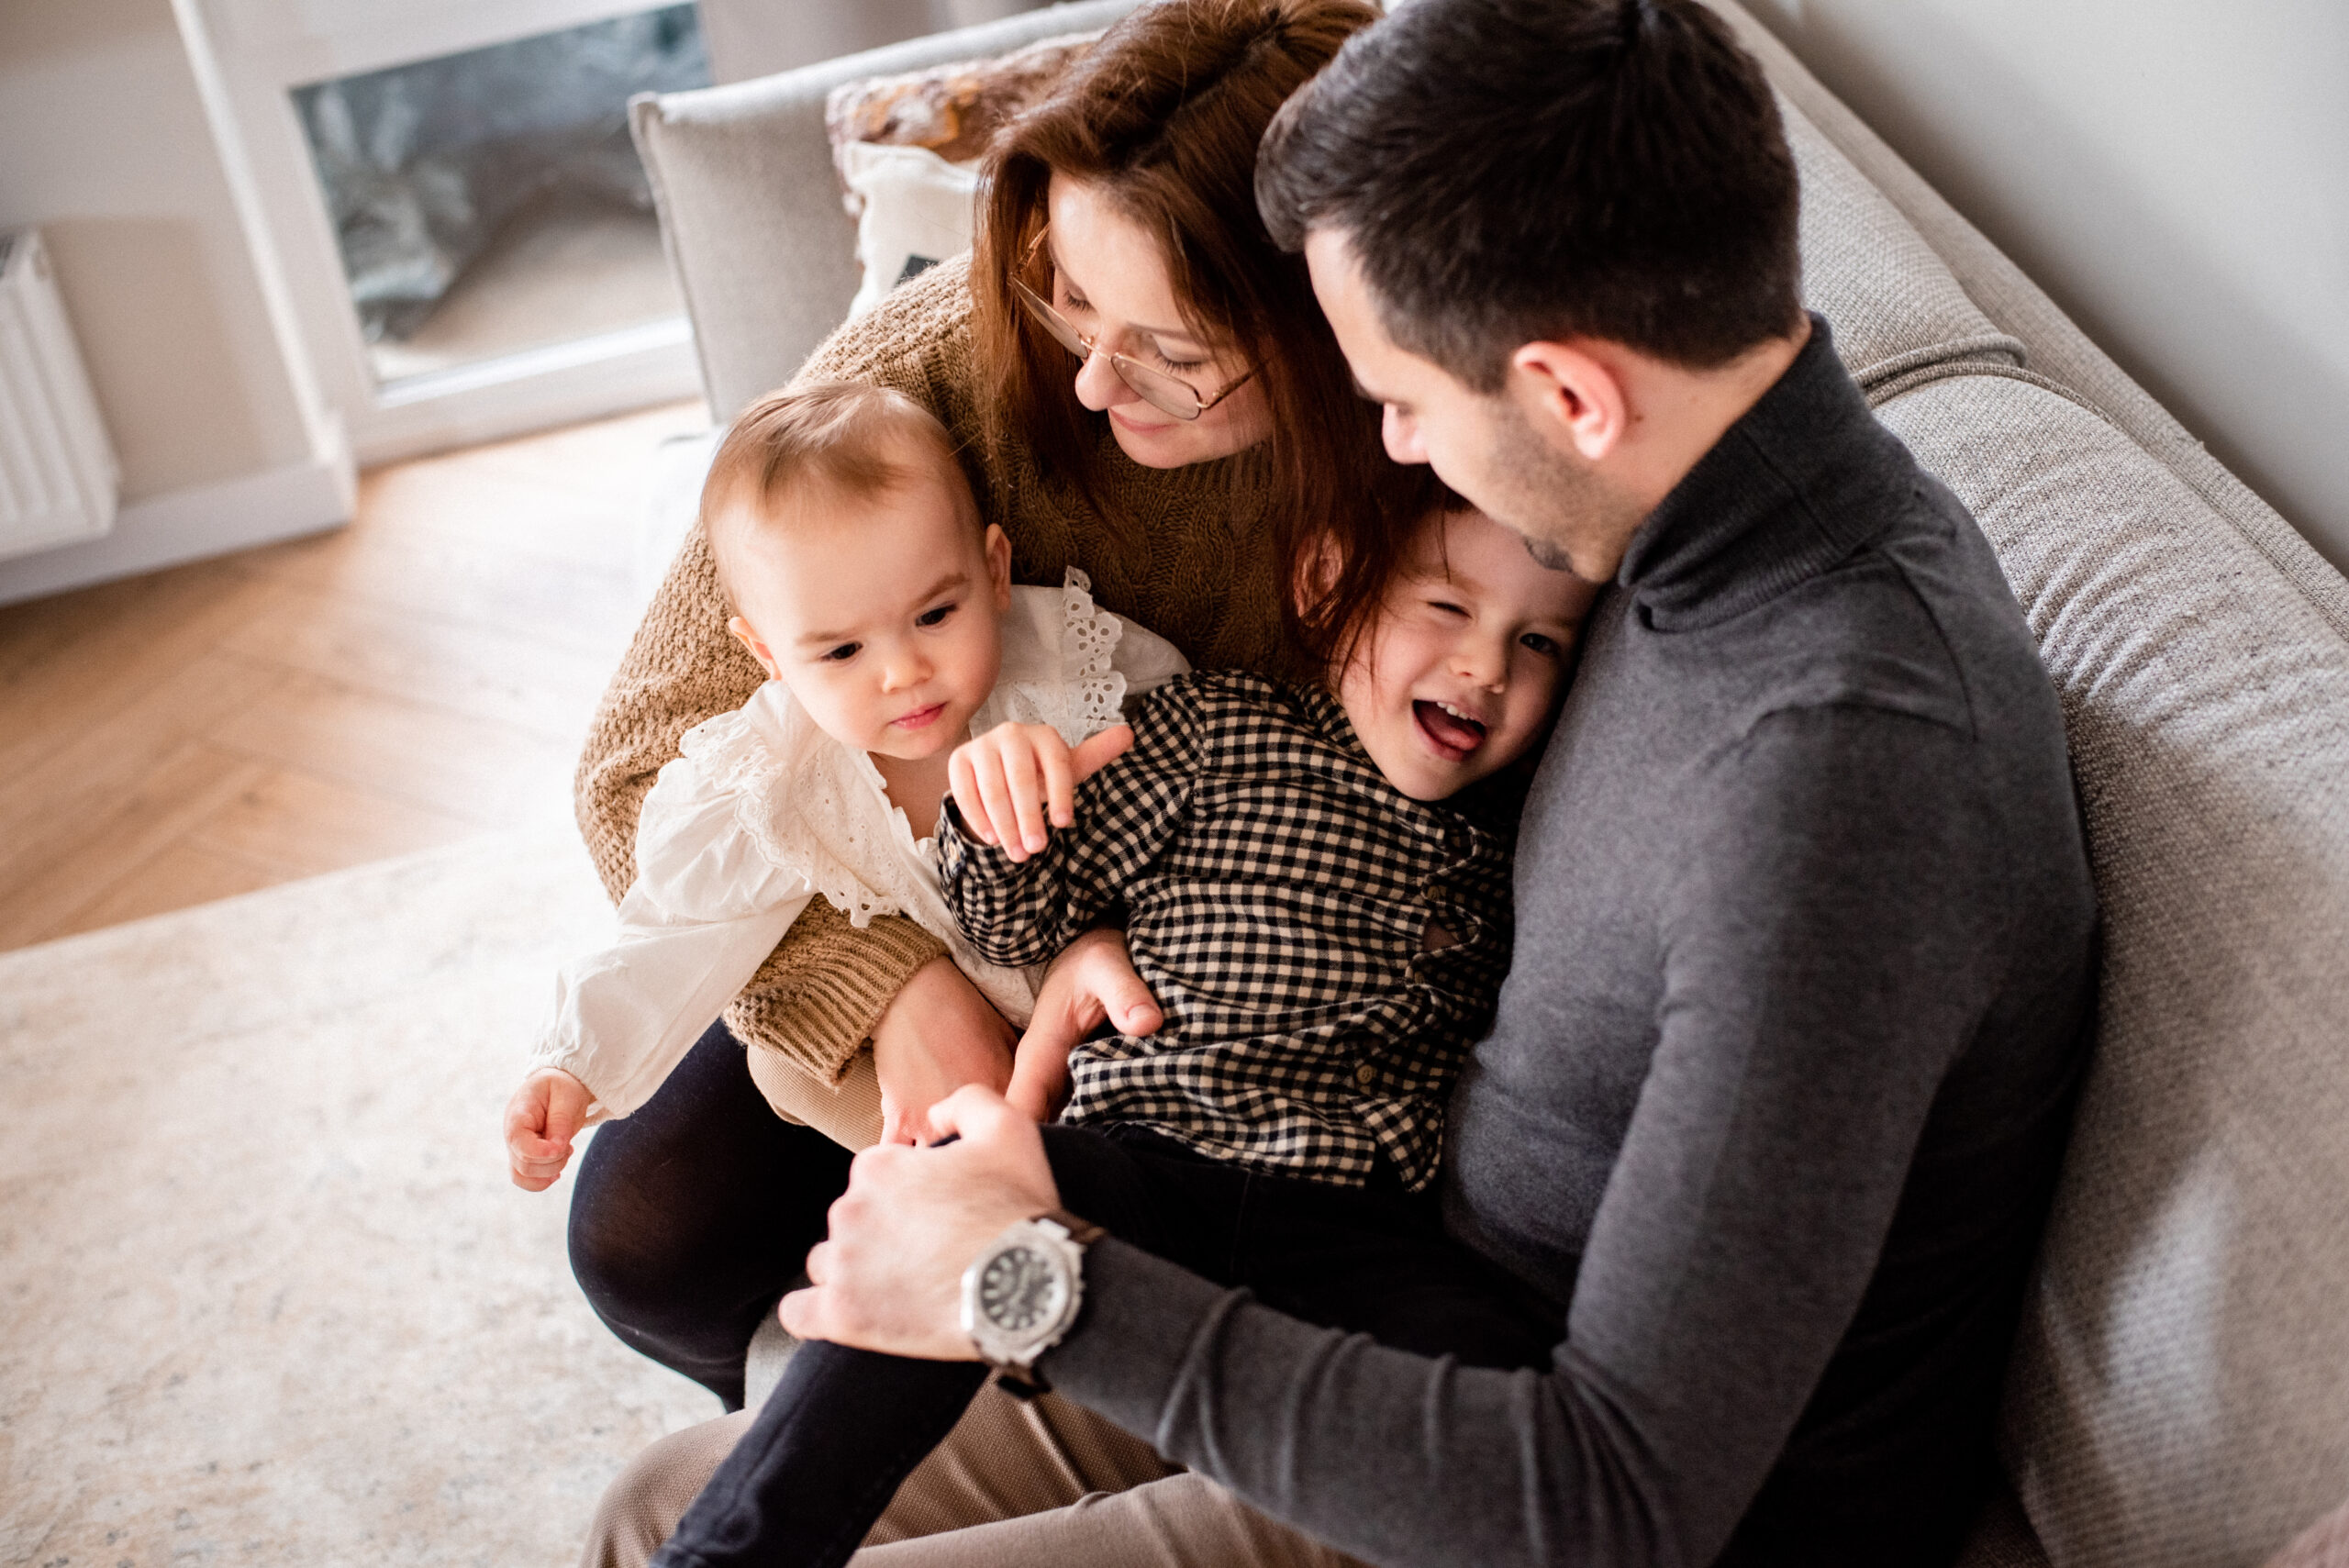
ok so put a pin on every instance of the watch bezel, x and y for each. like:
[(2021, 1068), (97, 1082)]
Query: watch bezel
[(1015, 1351)]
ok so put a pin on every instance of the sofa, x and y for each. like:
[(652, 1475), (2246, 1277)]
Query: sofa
[(2179, 1391)]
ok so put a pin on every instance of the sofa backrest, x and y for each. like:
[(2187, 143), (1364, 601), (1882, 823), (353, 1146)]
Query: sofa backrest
[(2180, 1393), (2181, 1389)]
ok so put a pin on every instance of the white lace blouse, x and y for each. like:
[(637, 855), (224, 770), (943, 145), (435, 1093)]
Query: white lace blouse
[(763, 811)]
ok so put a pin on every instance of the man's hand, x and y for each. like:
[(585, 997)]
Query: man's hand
[(938, 1034), (1008, 782), (541, 1119), (889, 1277)]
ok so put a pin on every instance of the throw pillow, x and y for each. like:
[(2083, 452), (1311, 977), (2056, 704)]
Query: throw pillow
[(912, 209), (907, 147)]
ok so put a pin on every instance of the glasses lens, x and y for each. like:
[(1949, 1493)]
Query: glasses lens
[(1158, 389), (1051, 321)]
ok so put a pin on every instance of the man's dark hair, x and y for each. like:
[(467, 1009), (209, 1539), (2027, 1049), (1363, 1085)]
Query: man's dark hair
[(1509, 172)]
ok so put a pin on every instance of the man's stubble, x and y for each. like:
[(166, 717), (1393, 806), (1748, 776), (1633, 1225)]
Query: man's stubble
[(1560, 504)]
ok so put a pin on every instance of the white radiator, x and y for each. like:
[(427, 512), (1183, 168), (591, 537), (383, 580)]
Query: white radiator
[(59, 480)]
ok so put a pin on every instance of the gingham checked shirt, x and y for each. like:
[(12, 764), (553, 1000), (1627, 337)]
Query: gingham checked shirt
[(1277, 892)]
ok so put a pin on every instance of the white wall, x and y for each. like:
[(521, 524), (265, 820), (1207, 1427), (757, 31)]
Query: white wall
[(2175, 173), (107, 146), (754, 38)]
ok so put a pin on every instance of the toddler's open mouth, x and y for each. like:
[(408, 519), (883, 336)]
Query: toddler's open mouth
[(1451, 733)]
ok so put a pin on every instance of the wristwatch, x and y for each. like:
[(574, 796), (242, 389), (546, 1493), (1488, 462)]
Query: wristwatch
[(1022, 1294)]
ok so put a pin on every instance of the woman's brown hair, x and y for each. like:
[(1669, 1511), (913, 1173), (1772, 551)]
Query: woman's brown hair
[(1163, 114)]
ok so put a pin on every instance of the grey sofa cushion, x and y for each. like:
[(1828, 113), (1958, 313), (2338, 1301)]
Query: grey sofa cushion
[(1899, 316), (751, 204), (2181, 1391)]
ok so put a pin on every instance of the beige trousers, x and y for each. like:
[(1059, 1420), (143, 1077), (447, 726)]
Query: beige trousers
[(849, 1114), (1042, 1483)]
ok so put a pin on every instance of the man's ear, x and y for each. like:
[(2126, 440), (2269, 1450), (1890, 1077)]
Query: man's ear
[(998, 549), (748, 639), (1571, 396)]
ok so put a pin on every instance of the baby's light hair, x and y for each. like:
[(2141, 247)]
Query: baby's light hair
[(848, 438)]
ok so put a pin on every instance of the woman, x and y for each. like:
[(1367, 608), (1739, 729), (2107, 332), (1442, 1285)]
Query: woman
[(1142, 387)]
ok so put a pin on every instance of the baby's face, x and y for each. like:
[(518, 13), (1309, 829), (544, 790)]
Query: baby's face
[(882, 614), (1461, 673)]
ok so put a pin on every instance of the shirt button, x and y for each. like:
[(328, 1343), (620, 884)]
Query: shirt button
[(1365, 1074)]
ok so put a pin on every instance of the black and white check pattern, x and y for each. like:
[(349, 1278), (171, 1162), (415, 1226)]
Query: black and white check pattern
[(1276, 890)]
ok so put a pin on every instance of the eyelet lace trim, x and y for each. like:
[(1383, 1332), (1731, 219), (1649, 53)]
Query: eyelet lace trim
[(804, 814), (1089, 696)]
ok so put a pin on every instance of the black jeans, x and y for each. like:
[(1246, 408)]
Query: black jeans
[(690, 1218), (846, 1426)]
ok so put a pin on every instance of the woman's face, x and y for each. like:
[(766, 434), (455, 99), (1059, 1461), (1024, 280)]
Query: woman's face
[(1110, 282)]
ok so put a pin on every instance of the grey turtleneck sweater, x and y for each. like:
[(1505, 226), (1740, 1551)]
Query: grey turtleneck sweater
[(1777, 1089)]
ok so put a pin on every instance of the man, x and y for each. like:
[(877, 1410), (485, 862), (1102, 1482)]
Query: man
[(1804, 958)]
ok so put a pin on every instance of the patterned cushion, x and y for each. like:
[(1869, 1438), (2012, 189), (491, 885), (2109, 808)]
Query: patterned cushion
[(949, 109), (2181, 1391)]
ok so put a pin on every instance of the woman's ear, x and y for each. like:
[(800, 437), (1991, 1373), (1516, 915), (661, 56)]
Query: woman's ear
[(748, 639), (998, 549)]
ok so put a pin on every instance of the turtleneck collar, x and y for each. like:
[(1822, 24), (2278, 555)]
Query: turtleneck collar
[(1800, 483)]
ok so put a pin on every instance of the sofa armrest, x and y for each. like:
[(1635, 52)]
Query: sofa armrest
[(750, 206)]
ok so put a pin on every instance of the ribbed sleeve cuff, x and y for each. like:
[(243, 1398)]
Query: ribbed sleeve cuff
[(821, 1016), (1142, 1317)]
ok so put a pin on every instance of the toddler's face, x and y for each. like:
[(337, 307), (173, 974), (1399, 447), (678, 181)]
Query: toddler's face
[(1461, 673), (881, 615)]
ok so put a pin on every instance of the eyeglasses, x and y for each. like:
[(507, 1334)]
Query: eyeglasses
[(1163, 392)]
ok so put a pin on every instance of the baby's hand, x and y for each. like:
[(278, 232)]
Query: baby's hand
[(1008, 781), (541, 1119)]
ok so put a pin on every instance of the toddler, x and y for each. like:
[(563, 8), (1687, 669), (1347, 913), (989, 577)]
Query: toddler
[(881, 608), (1315, 885)]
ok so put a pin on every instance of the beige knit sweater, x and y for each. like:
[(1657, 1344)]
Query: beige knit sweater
[(1182, 552)]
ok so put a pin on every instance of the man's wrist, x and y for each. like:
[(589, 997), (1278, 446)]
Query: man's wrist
[(1139, 1338), (1024, 1293)]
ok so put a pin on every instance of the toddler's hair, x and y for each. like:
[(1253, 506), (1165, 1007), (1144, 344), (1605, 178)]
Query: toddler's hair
[(846, 438), (1342, 582)]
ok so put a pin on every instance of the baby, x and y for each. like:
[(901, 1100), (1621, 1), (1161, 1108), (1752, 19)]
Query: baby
[(881, 608), (1316, 889)]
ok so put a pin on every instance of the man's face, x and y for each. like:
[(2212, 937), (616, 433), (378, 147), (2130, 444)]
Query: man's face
[(1482, 444)]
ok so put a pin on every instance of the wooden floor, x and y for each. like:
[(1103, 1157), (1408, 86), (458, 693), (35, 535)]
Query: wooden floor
[(420, 677)]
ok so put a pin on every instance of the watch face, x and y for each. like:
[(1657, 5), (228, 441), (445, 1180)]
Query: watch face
[(1019, 1289)]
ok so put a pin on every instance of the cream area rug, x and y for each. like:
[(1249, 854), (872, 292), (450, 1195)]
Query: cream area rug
[(266, 1296)]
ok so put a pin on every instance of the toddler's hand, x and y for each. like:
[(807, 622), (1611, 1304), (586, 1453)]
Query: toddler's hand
[(1039, 1078), (1010, 780), (541, 1119)]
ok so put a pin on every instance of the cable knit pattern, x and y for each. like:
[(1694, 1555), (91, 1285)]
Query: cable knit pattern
[(1181, 550)]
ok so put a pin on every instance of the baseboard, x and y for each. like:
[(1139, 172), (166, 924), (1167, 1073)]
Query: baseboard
[(188, 525)]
